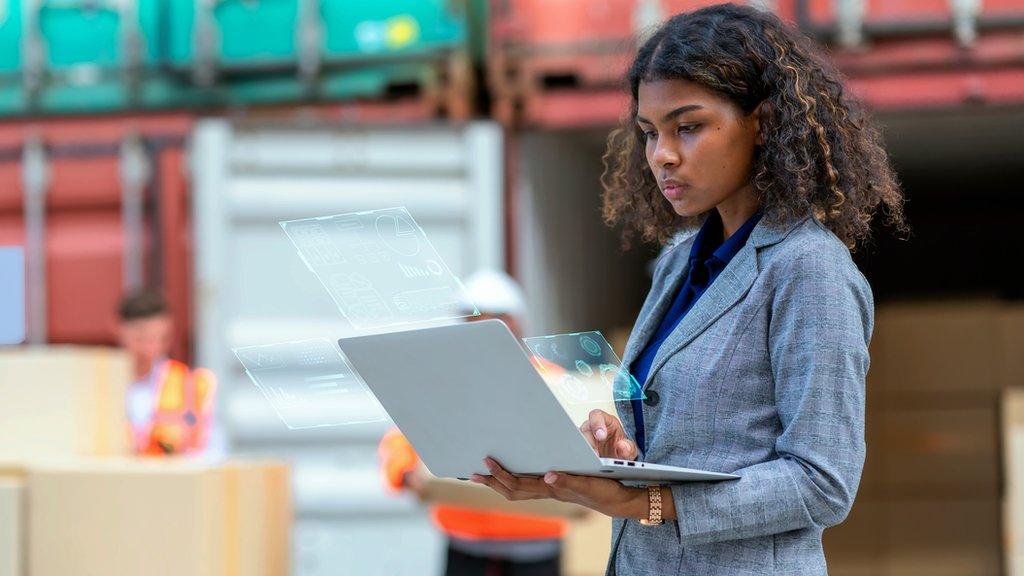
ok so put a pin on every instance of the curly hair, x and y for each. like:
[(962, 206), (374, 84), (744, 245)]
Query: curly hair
[(822, 155)]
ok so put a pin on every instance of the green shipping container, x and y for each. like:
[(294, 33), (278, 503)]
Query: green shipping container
[(10, 56), (61, 56), (262, 51), (66, 56)]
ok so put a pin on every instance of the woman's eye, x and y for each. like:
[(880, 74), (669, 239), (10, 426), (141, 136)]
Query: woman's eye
[(688, 128), (650, 134)]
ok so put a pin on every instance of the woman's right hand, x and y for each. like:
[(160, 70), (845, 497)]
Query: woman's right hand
[(605, 434)]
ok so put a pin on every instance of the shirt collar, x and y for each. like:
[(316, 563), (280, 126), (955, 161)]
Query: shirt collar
[(733, 243), (706, 244), (707, 238)]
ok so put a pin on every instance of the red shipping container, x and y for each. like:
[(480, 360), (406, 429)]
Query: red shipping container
[(853, 23), (586, 25), (540, 46), (100, 205)]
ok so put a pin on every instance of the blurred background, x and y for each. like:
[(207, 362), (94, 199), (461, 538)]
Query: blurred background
[(157, 143)]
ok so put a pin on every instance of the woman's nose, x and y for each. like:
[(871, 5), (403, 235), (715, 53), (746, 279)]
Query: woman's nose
[(665, 156)]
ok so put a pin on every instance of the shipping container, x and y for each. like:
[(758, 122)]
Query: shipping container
[(75, 56), (252, 288), (100, 206), (853, 22), (542, 73), (575, 275), (239, 52), (537, 48), (82, 56)]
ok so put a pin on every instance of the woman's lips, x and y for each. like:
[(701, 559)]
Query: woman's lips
[(675, 191)]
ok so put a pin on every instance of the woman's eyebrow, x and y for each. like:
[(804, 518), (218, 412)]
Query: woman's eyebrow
[(673, 113)]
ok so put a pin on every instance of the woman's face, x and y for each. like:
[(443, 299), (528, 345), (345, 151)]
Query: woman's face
[(699, 145)]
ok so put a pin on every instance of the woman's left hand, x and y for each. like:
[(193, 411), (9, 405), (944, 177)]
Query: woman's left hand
[(609, 497)]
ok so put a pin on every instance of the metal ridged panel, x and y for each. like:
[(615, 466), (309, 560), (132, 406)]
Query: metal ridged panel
[(105, 213), (252, 288)]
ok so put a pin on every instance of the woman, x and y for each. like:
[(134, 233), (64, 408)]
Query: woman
[(752, 344)]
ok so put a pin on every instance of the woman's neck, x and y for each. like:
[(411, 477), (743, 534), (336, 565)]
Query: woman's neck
[(737, 209)]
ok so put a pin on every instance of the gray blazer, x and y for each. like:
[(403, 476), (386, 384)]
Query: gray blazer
[(764, 377)]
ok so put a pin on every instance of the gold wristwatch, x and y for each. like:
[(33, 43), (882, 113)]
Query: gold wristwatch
[(654, 507)]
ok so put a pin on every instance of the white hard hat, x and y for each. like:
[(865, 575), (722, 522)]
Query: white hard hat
[(495, 292)]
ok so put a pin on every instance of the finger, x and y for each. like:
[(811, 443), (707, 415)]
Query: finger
[(598, 423), (565, 487), (589, 435), (501, 475), (524, 486), (626, 449), (493, 484)]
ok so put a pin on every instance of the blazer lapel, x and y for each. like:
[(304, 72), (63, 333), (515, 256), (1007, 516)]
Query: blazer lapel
[(650, 317), (730, 286)]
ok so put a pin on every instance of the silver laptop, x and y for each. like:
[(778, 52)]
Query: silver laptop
[(462, 392)]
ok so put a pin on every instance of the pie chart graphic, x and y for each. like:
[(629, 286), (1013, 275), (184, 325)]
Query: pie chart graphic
[(398, 232)]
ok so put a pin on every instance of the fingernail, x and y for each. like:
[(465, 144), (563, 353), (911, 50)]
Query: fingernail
[(601, 434), (476, 478), (550, 477)]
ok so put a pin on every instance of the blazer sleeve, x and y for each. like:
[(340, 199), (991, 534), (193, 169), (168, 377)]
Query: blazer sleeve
[(822, 316)]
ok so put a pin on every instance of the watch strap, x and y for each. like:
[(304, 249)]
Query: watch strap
[(654, 506)]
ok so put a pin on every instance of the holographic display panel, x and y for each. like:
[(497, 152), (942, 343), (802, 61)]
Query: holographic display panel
[(310, 384), (582, 368), (379, 268)]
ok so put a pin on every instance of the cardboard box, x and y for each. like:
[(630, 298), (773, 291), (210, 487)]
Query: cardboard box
[(263, 506), (587, 546), (469, 495), (943, 538), (894, 537), (936, 346), (159, 517), (12, 520), (1011, 346), (855, 547), (1013, 482), (62, 401), (940, 451)]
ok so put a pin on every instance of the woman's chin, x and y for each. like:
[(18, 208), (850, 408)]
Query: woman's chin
[(686, 209)]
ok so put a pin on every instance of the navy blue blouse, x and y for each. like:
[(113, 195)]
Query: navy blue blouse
[(708, 257)]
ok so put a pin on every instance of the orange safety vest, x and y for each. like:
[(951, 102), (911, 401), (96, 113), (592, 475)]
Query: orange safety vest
[(181, 418), (398, 458)]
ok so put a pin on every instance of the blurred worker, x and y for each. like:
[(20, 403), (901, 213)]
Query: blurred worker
[(169, 406), (482, 543)]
